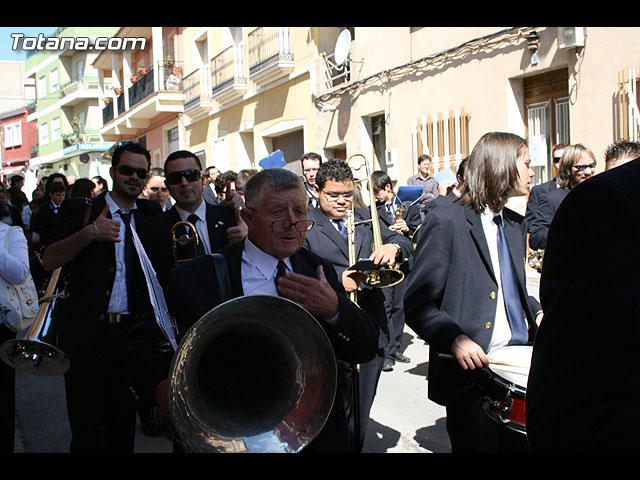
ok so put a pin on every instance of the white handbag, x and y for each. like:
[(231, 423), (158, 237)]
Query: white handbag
[(18, 303)]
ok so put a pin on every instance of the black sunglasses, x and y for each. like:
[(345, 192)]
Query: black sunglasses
[(128, 171), (191, 174)]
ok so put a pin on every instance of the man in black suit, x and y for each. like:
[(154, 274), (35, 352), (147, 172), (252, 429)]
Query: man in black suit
[(334, 188), (45, 219), (106, 292), (310, 163), (216, 225), (583, 393), (540, 191), (460, 299), (209, 193), (576, 165), (403, 219), (276, 215)]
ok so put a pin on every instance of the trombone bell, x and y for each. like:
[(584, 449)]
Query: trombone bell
[(36, 353)]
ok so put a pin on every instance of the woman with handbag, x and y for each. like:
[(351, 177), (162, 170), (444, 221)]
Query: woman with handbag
[(14, 268)]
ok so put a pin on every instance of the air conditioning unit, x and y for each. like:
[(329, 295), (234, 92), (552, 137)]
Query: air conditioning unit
[(570, 37)]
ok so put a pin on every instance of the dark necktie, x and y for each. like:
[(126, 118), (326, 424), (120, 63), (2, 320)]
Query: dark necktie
[(129, 256), (342, 228), (192, 219), (390, 213), (281, 269), (515, 312)]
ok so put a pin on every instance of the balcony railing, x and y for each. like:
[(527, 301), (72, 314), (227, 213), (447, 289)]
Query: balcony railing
[(267, 46), (80, 84), (195, 86), (141, 89), (227, 68), (169, 79)]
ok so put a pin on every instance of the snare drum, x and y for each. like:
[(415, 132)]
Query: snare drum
[(505, 385)]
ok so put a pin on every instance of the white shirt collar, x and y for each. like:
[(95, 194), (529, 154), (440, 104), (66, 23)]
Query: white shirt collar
[(113, 206), (201, 212), (262, 261)]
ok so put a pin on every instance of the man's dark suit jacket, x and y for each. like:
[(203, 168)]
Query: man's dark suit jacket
[(535, 197), (44, 220), (452, 287), (155, 235), (325, 241), (543, 216), (193, 290), (584, 384), (92, 274)]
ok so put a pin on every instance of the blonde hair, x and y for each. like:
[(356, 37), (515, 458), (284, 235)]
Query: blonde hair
[(570, 157)]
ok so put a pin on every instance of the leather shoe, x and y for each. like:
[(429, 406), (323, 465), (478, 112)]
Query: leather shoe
[(387, 365), (400, 358)]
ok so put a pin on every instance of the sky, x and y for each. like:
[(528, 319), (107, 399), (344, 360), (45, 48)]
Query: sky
[(6, 41)]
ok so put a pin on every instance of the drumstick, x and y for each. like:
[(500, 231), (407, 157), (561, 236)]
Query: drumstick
[(506, 364), (491, 360)]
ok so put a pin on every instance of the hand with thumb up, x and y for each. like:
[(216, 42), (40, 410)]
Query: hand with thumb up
[(106, 229)]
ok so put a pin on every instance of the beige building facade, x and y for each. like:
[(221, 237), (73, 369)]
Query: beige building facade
[(437, 90), (248, 93)]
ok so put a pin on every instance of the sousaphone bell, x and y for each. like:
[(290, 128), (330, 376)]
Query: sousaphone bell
[(255, 374)]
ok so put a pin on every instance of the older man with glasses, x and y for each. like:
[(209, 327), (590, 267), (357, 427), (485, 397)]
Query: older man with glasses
[(216, 225), (276, 217)]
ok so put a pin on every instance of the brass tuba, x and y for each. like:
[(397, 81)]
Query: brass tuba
[(254, 374), (183, 240), (383, 276), (37, 353)]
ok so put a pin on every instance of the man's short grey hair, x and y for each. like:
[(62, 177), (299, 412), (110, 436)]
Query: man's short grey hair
[(270, 179)]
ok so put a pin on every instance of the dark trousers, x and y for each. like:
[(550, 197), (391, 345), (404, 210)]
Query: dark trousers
[(393, 303), (7, 398), (101, 407), (368, 377)]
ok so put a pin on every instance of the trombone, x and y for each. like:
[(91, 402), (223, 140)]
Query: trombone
[(183, 240), (37, 352), (383, 276)]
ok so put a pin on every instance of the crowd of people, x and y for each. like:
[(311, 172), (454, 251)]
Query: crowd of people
[(459, 247)]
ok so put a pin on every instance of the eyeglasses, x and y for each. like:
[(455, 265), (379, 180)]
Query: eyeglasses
[(191, 174), (335, 196), (280, 226), (129, 170), (582, 168)]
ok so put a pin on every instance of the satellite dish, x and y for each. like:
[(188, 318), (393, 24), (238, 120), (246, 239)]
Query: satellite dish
[(343, 44)]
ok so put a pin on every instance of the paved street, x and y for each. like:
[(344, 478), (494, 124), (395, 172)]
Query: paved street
[(403, 420)]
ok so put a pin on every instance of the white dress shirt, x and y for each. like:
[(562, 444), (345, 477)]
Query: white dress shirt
[(201, 224), (258, 273), (501, 329), (118, 302), (259, 270)]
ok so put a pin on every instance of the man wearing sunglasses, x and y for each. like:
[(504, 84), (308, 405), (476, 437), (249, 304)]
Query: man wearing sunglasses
[(540, 191), (106, 292), (577, 164), (216, 225), (276, 216), (334, 187)]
